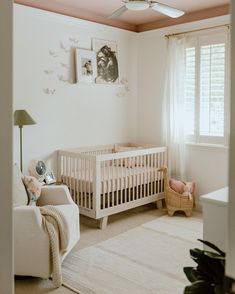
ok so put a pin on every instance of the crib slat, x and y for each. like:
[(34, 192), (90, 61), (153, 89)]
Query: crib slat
[(151, 175), (82, 182), (65, 169), (108, 192), (73, 182), (141, 177), (162, 181), (96, 185), (119, 182), (131, 178), (69, 172), (137, 177), (159, 181), (155, 173), (79, 181), (132, 168), (158, 165), (104, 184), (62, 168), (85, 188), (148, 175), (122, 183), (113, 181), (62, 172), (89, 184), (76, 180), (126, 179), (145, 177)]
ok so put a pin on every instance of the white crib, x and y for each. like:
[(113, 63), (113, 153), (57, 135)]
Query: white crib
[(104, 180)]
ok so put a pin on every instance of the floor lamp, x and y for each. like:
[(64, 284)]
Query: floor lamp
[(22, 118)]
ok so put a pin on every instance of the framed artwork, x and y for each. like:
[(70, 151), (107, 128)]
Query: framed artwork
[(86, 66), (50, 178), (107, 61)]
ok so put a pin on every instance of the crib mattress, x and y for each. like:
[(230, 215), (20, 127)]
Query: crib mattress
[(112, 179)]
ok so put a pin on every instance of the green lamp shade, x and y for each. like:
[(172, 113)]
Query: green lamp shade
[(22, 118)]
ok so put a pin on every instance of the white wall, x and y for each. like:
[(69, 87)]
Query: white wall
[(207, 166), (230, 263), (6, 251), (77, 114)]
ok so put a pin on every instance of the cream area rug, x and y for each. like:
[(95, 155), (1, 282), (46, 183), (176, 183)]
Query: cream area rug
[(146, 260)]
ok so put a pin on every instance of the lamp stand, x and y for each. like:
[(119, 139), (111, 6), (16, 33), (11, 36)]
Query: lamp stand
[(21, 158)]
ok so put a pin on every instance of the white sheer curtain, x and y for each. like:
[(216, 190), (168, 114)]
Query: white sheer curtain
[(173, 107)]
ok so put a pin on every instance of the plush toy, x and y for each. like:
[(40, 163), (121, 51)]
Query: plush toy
[(184, 188), (189, 189), (177, 186)]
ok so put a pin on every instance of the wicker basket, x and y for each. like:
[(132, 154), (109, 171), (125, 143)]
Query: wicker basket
[(176, 201)]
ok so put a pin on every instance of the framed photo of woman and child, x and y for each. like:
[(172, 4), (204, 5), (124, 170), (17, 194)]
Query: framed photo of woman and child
[(86, 66)]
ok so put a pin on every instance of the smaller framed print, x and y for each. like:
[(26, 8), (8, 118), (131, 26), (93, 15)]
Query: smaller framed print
[(86, 66), (50, 178)]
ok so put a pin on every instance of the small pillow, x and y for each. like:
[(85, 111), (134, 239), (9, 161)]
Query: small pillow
[(177, 186), (33, 188)]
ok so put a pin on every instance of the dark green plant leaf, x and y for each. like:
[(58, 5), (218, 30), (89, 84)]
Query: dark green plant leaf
[(219, 289), (192, 274), (210, 269), (214, 255), (208, 276), (199, 287), (195, 254), (212, 246)]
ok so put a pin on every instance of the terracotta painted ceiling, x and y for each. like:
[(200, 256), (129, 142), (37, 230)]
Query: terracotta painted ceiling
[(99, 10)]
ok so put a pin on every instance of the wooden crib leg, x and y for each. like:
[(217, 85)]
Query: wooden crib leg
[(159, 204), (103, 222)]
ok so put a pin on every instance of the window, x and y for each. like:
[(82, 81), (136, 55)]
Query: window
[(206, 80)]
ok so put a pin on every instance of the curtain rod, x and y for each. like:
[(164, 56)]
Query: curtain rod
[(194, 31)]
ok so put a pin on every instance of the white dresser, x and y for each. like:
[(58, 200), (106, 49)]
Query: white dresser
[(215, 217)]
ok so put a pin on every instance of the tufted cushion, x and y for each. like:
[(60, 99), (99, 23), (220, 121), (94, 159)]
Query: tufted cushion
[(20, 196), (33, 188)]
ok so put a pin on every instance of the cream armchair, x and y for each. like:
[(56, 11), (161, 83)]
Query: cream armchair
[(31, 242)]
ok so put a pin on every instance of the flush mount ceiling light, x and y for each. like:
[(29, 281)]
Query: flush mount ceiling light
[(137, 5), (145, 4)]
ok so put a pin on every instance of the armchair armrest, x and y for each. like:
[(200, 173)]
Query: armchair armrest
[(30, 240), (25, 215), (55, 195)]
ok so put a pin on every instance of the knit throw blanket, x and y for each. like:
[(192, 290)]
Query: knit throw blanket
[(56, 226)]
